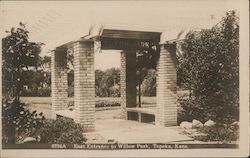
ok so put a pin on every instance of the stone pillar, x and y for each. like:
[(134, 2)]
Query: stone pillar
[(128, 80), (84, 84), (166, 92), (59, 79)]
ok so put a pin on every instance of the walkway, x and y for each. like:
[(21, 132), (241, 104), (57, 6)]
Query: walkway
[(111, 128), (126, 131)]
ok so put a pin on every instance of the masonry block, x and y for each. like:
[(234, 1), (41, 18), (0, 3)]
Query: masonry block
[(59, 79), (84, 84), (128, 80), (166, 92)]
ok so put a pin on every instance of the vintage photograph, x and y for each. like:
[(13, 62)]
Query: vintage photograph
[(123, 76)]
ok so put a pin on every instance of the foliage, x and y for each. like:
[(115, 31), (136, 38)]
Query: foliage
[(101, 103), (37, 81), (209, 67), (36, 91), (22, 65), (71, 83), (107, 103), (115, 91), (219, 132), (149, 83), (148, 55), (18, 55), (146, 58), (107, 83), (188, 110), (17, 117), (61, 130), (45, 68), (98, 78)]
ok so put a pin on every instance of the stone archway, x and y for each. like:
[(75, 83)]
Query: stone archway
[(84, 79)]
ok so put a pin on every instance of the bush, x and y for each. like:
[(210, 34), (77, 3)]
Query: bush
[(209, 68), (100, 103), (219, 132), (44, 91), (115, 91), (148, 87), (106, 103), (107, 82), (61, 130), (18, 121), (41, 91), (190, 109)]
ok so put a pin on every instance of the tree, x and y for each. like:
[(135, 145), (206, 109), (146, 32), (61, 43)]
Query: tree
[(46, 70), (33, 79), (37, 81), (18, 55), (109, 81), (149, 83), (98, 78), (209, 68), (146, 58)]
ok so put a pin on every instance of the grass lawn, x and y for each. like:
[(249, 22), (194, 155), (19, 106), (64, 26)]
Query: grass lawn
[(43, 104), (47, 100)]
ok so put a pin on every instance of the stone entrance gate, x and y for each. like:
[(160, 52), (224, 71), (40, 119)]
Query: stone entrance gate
[(84, 76)]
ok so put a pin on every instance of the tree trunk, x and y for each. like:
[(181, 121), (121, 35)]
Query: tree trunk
[(139, 93), (11, 134), (18, 86), (190, 93), (10, 130)]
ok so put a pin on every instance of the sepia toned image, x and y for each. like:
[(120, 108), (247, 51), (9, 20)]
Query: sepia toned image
[(124, 78)]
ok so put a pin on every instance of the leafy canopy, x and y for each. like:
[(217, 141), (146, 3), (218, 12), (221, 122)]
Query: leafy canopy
[(18, 54), (209, 68)]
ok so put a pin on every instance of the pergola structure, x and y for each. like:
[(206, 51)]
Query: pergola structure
[(84, 76)]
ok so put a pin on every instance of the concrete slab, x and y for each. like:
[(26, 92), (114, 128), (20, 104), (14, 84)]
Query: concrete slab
[(126, 131), (110, 126)]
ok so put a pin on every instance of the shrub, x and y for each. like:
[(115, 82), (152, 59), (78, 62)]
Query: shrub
[(44, 91), (219, 132), (209, 68), (41, 91), (61, 130), (190, 109), (106, 103), (18, 121), (107, 82), (99, 103), (115, 91), (148, 86)]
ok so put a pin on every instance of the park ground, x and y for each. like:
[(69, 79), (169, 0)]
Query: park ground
[(110, 127)]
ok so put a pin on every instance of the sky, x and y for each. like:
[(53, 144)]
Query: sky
[(55, 23)]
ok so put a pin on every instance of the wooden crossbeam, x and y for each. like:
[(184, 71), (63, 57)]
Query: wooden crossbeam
[(122, 44)]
